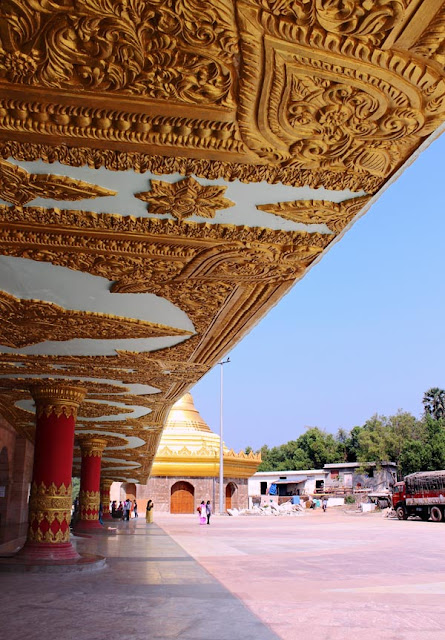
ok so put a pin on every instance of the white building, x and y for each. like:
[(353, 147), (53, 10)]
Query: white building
[(288, 483)]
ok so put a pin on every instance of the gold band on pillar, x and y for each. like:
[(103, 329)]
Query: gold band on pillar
[(50, 500), (105, 486), (91, 449), (89, 504), (60, 399), (46, 505)]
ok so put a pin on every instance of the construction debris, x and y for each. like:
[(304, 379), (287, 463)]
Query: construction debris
[(271, 509)]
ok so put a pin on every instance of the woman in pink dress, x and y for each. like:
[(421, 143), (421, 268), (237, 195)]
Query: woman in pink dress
[(202, 513)]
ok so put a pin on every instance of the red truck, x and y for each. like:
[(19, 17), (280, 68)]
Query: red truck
[(420, 494)]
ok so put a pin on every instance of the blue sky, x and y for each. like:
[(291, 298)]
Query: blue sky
[(363, 332)]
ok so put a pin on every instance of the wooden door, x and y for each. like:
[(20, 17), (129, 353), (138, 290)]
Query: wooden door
[(229, 493), (182, 498)]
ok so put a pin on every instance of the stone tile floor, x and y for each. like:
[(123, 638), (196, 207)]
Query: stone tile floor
[(332, 576), (151, 590)]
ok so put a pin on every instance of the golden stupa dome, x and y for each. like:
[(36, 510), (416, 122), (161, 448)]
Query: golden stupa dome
[(188, 447), (185, 417)]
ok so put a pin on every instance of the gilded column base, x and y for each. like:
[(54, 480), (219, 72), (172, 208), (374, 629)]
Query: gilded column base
[(89, 512), (49, 525)]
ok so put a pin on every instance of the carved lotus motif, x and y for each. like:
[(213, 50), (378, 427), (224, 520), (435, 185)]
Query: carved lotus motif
[(185, 198)]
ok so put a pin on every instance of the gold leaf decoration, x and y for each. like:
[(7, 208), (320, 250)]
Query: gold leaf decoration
[(336, 216), (19, 186), (367, 20), (185, 198), (178, 50), (27, 322)]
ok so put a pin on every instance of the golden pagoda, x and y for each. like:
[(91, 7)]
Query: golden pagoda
[(189, 447), (186, 467)]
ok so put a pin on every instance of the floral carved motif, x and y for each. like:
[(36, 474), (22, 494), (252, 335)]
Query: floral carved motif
[(179, 50), (431, 43), (368, 20), (19, 186), (336, 216), (185, 198), (330, 102), (26, 322)]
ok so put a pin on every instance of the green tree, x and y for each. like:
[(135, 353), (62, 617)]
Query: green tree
[(373, 440), (434, 402), (76, 487), (320, 447)]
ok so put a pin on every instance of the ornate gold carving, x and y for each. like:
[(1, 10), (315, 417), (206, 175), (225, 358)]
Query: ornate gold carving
[(47, 505), (119, 126), (19, 186), (26, 322), (89, 504), (181, 50), (203, 168), (366, 20), (169, 76), (57, 398), (324, 101), (431, 43), (185, 198), (199, 278), (96, 410), (105, 486), (335, 215), (91, 446)]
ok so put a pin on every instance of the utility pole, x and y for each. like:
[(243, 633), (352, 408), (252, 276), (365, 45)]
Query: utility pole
[(221, 451)]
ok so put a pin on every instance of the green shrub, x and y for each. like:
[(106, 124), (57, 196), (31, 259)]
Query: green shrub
[(350, 500)]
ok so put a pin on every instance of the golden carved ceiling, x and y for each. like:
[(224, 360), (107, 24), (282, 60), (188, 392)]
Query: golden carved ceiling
[(168, 171)]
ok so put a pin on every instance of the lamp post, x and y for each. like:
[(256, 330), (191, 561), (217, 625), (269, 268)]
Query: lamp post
[(221, 451)]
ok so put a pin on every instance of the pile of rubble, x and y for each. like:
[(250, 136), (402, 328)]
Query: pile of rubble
[(271, 509)]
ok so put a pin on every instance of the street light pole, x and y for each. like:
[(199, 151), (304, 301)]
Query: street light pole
[(221, 451)]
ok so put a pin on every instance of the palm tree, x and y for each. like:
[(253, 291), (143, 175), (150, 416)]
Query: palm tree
[(434, 402)]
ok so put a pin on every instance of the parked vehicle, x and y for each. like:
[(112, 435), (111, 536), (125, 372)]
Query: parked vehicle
[(381, 498), (421, 494)]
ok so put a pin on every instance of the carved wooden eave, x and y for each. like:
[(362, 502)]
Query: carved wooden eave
[(161, 167)]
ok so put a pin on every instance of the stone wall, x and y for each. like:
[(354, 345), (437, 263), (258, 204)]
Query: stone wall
[(16, 461), (159, 489)]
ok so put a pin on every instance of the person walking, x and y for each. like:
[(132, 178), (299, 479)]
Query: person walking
[(135, 509), (324, 503), (101, 513), (208, 511), (202, 513), (149, 511)]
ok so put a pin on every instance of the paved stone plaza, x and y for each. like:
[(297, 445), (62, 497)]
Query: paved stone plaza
[(317, 577)]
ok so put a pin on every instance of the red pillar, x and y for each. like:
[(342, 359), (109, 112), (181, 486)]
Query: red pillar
[(50, 501), (105, 486), (91, 449)]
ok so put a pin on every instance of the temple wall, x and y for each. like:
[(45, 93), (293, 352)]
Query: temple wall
[(159, 488), (16, 462)]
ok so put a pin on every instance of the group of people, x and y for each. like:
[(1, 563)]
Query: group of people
[(205, 511), (123, 510)]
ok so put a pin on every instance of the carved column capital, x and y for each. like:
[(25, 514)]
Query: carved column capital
[(58, 398), (91, 446), (105, 484)]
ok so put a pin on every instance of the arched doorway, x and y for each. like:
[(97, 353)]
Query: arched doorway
[(182, 497), (128, 490), (231, 490)]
